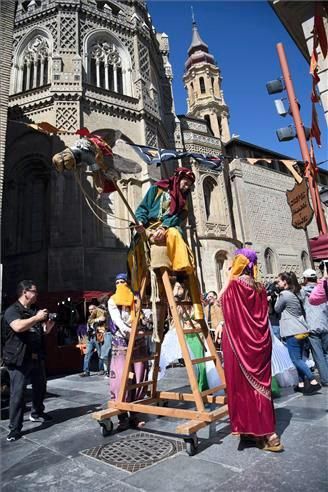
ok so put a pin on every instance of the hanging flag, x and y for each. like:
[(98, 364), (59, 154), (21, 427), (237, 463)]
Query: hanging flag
[(319, 30), (315, 129), (155, 156), (213, 162)]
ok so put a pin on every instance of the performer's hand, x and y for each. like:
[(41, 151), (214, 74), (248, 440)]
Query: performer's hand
[(140, 228), (159, 235)]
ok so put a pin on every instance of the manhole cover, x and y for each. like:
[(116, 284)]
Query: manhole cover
[(137, 451)]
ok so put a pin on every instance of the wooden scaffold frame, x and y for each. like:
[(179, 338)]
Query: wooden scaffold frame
[(195, 419)]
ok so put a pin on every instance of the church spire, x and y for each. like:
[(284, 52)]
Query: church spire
[(196, 42), (202, 80)]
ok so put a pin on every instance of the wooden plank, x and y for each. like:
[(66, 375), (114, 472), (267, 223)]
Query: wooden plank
[(213, 390), (203, 359), (183, 344), (188, 331), (139, 385), (168, 395), (105, 414), (191, 427), (164, 411), (158, 347)]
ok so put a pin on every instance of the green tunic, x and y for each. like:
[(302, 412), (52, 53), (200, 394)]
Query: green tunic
[(155, 206)]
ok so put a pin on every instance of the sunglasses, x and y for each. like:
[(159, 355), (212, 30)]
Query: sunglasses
[(120, 282)]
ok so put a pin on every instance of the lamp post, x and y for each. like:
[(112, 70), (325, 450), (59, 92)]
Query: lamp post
[(295, 112)]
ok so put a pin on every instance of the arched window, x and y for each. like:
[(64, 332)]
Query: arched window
[(221, 264), (31, 65), (202, 85), (305, 260), (208, 120), (211, 199), (107, 63), (269, 261)]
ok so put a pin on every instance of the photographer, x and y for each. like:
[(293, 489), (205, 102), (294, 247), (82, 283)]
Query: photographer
[(24, 355)]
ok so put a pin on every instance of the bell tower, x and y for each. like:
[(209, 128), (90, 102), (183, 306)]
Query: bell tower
[(202, 79)]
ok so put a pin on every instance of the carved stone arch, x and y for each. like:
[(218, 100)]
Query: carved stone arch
[(210, 187), (221, 265), (270, 262), (107, 62), (35, 49)]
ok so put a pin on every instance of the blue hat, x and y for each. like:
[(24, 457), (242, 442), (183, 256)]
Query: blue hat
[(122, 276)]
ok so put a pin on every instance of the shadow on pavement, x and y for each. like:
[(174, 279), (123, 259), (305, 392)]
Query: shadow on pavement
[(61, 415)]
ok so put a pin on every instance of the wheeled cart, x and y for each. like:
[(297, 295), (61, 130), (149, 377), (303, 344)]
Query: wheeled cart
[(155, 402)]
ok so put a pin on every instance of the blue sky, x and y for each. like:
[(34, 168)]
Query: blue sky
[(242, 36)]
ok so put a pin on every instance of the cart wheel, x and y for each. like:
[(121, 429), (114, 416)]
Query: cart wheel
[(106, 428), (191, 445)]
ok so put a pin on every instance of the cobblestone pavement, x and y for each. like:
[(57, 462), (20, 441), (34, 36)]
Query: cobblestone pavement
[(49, 458)]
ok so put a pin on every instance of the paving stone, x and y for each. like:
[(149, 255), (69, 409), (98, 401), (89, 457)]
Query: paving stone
[(181, 473)]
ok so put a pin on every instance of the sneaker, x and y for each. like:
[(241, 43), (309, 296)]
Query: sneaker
[(84, 374), (44, 417), (14, 436), (312, 388), (299, 389)]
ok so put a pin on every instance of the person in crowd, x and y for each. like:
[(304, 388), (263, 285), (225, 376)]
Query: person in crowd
[(121, 308), (25, 327), (160, 216), (96, 322), (247, 349), (317, 320), (213, 315), (319, 294), (294, 329)]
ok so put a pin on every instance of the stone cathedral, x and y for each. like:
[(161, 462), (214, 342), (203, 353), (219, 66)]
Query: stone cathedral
[(101, 64)]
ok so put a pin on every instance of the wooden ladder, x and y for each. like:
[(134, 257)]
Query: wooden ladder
[(196, 418)]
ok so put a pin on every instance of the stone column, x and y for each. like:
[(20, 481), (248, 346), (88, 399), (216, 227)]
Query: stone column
[(106, 75), (98, 72), (28, 75), (115, 77), (225, 128), (42, 71)]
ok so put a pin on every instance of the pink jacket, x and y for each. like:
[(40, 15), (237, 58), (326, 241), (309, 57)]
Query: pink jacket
[(318, 295)]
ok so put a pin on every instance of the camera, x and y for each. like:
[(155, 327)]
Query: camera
[(52, 317), (273, 291)]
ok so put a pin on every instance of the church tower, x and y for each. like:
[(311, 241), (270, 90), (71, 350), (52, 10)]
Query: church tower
[(202, 81)]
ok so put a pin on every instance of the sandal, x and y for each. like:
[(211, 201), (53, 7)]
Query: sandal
[(272, 444)]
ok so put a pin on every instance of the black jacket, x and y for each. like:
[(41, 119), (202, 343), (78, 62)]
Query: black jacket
[(20, 346)]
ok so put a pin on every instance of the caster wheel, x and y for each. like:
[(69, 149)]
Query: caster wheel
[(106, 428), (191, 445)]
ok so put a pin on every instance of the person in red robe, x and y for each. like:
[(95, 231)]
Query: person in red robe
[(247, 349)]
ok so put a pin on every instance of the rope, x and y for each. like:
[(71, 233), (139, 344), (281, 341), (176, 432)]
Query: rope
[(103, 221), (95, 203)]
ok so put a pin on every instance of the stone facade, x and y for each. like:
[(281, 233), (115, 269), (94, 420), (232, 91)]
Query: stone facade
[(102, 65), (7, 11), (79, 63)]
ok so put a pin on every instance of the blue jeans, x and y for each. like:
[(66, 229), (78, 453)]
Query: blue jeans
[(91, 346), (319, 348), (106, 347), (295, 350)]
